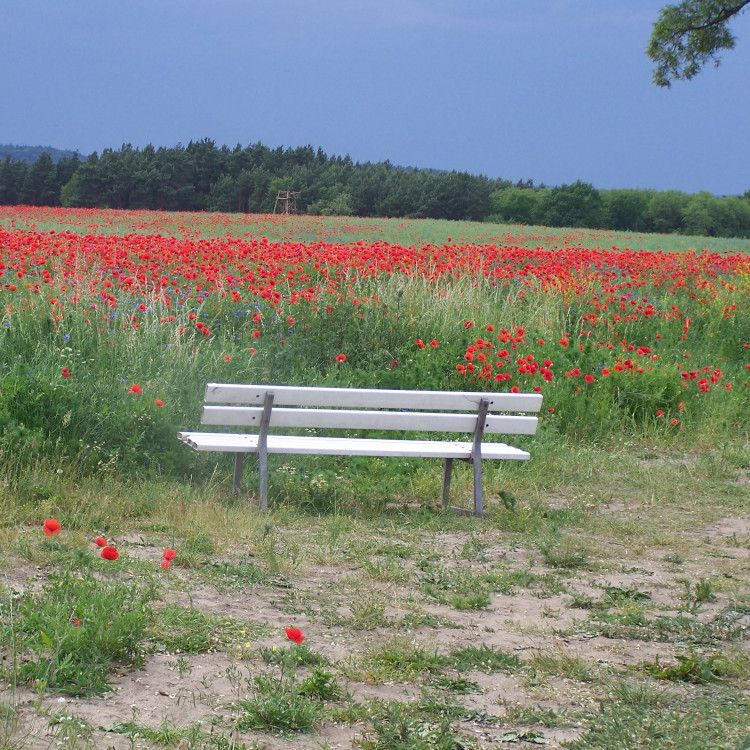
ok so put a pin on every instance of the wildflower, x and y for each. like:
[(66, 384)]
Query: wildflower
[(110, 553), (256, 334), (227, 358), (434, 343), (158, 402), (589, 378), (468, 324), (169, 554), (100, 541), (166, 563), (135, 388), (294, 634), (341, 357), (51, 527), (65, 372), (421, 344), (659, 412), (675, 421)]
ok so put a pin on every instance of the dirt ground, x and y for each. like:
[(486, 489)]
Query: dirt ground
[(319, 598)]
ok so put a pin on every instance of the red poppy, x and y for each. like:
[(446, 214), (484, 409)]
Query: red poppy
[(659, 412), (65, 372), (110, 553), (100, 541), (51, 527), (159, 402), (169, 554), (294, 634), (135, 388), (434, 343), (341, 357), (166, 563)]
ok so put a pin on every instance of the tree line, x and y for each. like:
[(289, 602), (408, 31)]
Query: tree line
[(204, 177)]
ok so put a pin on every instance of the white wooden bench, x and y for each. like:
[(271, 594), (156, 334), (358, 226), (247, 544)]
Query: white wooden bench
[(266, 407)]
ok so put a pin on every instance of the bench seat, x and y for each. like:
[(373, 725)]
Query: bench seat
[(344, 446)]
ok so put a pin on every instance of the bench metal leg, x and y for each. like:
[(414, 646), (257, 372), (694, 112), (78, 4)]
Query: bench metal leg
[(263, 478), (447, 474), (237, 479), (477, 486), (476, 455), (265, 421)]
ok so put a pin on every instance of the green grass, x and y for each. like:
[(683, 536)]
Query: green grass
[(70, 636), (622, 530)]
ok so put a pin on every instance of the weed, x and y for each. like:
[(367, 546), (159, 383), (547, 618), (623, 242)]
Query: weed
[(189, 631), (398, 660), (298, 655), (398, 729), (456, 685), (280, 703), (560, 663), (367, 613), (478, 600), (566, 553), (167, 734), (72, 632), (690, 667), (637, 693), (321, 684), (484, 659), (715, 719), (520, 714), (182, 666), (71, 731), (696, 595)]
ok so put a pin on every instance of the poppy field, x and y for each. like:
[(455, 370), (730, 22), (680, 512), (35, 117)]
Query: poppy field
[(601, 602), (108, 339)]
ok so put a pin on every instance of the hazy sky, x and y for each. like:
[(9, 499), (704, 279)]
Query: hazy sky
[(552, 90)]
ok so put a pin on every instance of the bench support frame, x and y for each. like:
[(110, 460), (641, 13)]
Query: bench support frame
[(475, 460), (364, 409)]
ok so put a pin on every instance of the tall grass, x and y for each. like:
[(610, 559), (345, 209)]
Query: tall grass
[(67, 396)]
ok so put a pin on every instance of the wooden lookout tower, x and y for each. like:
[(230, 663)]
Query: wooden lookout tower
[(286, 202)]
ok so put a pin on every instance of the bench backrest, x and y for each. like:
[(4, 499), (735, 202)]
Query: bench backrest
[(370, 408)]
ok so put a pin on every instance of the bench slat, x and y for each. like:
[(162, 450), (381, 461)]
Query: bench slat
[(307, 445), (250, 416), (374, 398)]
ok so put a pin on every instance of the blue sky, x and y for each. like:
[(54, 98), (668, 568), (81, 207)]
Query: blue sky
[(552, 90)]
